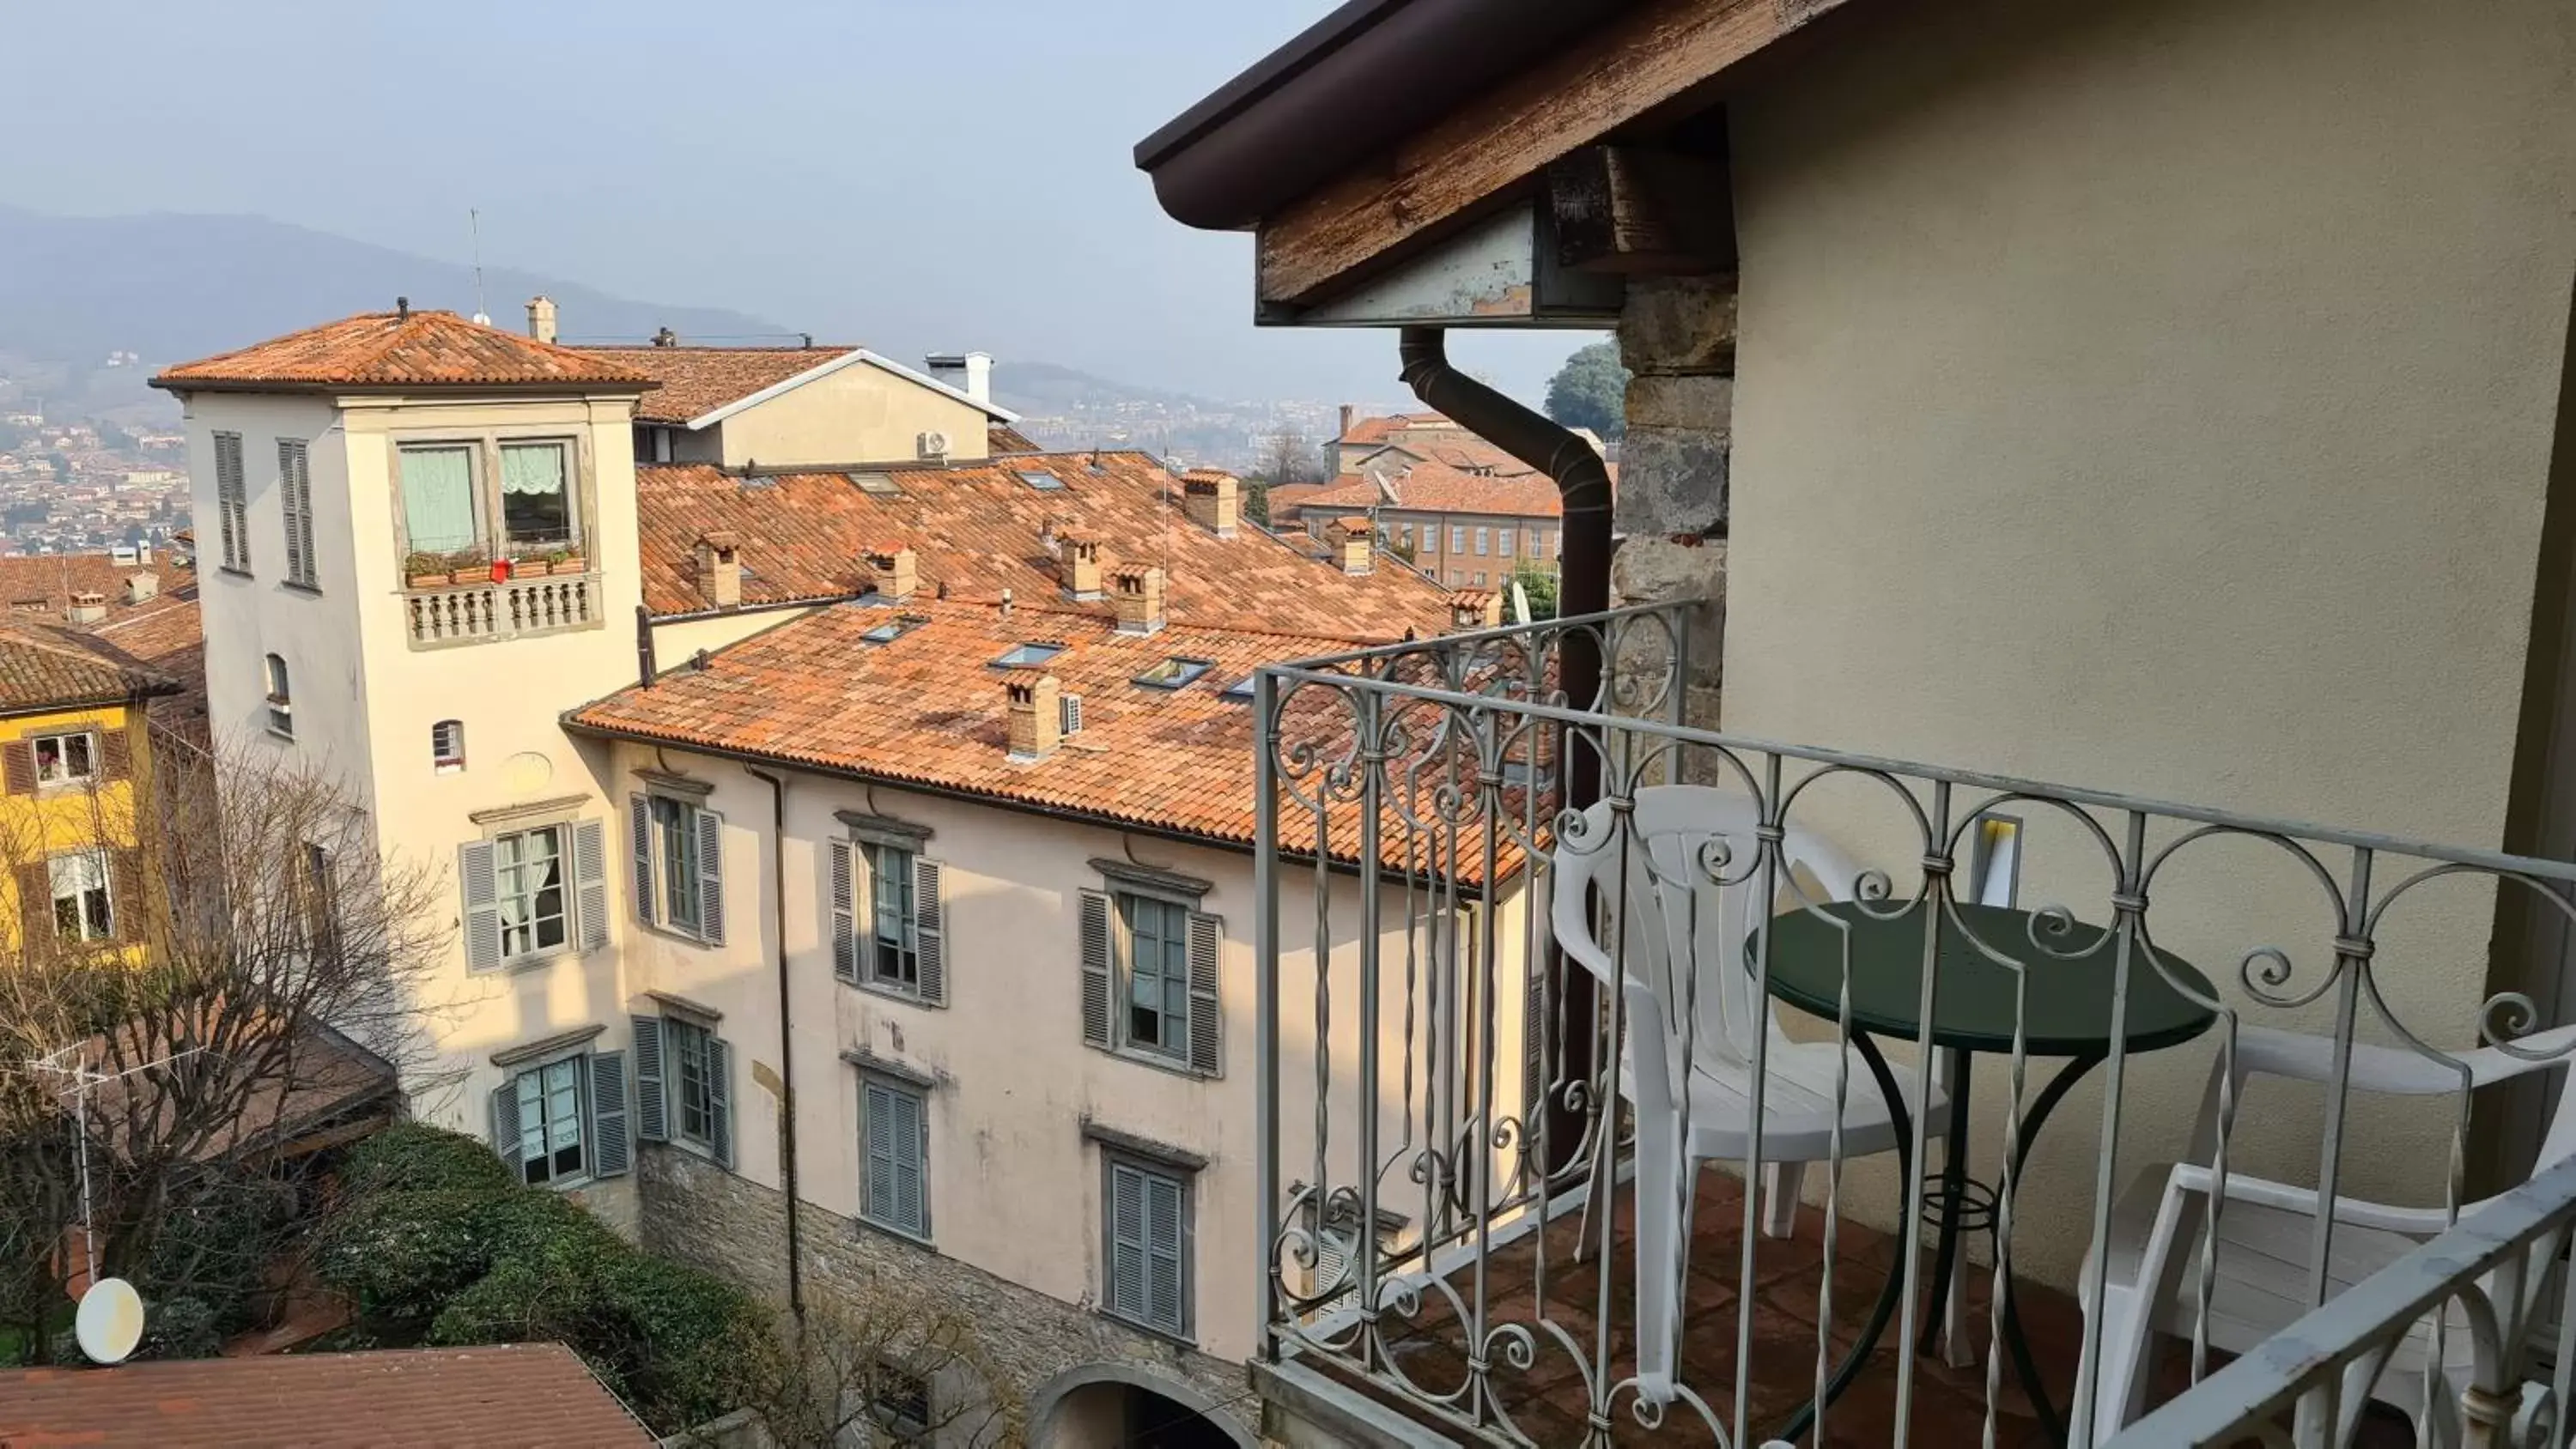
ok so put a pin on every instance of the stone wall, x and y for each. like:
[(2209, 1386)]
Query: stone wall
[(698, 1213), (1677, 338)]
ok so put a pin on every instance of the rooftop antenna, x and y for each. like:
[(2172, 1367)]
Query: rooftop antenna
[(474, 231), (66, 1063)]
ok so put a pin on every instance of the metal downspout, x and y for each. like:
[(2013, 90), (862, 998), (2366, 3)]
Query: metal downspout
[(786, 1039), (1583, 587)]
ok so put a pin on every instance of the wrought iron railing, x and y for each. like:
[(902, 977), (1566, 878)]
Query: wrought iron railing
[(473, 613), (1451, 1105)]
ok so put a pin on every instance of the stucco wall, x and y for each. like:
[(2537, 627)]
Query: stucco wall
[(859, 414), (2158, 396)]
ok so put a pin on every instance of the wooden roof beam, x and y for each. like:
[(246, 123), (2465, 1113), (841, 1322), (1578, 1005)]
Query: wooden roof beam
[(1649, 58)]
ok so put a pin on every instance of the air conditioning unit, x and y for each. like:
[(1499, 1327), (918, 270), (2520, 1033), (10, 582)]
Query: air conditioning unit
[(934, 445)]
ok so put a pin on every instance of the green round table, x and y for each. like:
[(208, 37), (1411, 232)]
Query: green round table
[(2063, 998)]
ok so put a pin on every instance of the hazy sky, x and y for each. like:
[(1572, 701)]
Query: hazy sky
[(913, 174)]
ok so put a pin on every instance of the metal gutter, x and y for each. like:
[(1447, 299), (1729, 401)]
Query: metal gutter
[(1348, 87), (786, 1035)]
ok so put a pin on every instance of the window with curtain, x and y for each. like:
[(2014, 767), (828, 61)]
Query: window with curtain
[(528, 869), (536, 495), (438, 498)]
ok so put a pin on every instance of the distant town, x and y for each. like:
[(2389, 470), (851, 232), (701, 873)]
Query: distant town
[(82, 484)]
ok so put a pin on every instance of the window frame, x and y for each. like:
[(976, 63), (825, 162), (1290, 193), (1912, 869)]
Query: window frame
[(1185, 1250), (905, 883), (919, 1097), (92, 747), (676, 903), (232, 502), (105, 889), (677, 1064), (583, 1113), (1457, 538), (489, 536), (295, 508), (565, 887), (442, 759), (1484, 536), (500, 543), (1122, 939), (281, 695)]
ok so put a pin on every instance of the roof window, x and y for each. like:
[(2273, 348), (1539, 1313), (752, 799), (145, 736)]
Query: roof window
[(1041, 480), (1240, 691), (1174, 673), (894, 628), (1027, 656), (879, 484)]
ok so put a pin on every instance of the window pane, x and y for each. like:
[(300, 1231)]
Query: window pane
[(438, 499), (536, 507), (679, 862), (689, 1048)]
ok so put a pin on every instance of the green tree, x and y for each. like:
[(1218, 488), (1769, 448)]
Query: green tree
[(1591, 391), (1539, 582), (1256, 502)]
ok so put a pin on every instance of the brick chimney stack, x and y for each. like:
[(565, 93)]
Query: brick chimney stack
[(1211, 497), (1355, 542), (892, 572), (88, 608), (541, 318), (1078, 563), (1474, 609), (1138, 592), (139, 587), (1348, 413), (720, 570), (1037, 719)]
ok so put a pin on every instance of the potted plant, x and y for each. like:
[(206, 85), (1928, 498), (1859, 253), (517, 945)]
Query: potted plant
[(466, 566), (532, 565), (426, 570), (566, 560)]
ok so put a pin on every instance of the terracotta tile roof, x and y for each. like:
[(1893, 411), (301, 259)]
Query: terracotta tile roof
[(1377, 430), (43, 669), (1002, 438), (1286, 498), (167, 636), (397, 349), (1437, 488), (696, 381), (928, 708), (978, 528), (42, 585), (506, 1396)]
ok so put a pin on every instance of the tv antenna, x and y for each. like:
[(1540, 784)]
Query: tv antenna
[(83, 1078), (474, 233)]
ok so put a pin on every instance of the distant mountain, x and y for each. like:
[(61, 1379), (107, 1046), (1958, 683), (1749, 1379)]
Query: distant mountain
[(171, 286), (1044, 389)]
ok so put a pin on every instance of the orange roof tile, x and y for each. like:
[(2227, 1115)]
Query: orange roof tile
[(928, 708), (42, 669), (1377, 430), (523, 1394), (42, 585), (402, 349), (696, 381), (1437, 488), (167, 636), (978, 528)]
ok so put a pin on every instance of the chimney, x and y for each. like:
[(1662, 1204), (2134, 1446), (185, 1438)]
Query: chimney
[(1078, 564), (1037, 720), (541, 318), (1139, 595), (891, 572), (969, 372), (666, 338), (88, 608), (719, 570), (1355, 541), (1348, 413), (1208, 496), (139, 587), (1474, 609)]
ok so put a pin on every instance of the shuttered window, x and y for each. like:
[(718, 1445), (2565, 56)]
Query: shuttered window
[(1147, 1276), (564, 1122), (683, 1085), (895, 1135), (232, 502), (531, 893), (679, 867), (1150, 979), (889, 922), (295, 492)]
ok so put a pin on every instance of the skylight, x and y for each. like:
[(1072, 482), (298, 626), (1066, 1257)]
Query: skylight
[(894, 628), (880, 484), (1027, 656), (1240, 691), (1174, 673), (1040, 480)]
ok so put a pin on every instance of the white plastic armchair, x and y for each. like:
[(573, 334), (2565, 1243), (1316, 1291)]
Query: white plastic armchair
[(2267, 1230), (1682, 935)]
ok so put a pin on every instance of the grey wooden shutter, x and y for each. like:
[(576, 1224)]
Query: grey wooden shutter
[(640, 811), (877, 1113), (1095, 969), (504, 1103), (115, 755), (229, 500), (930, 930), (1207, 1016), (609, 1148), (1165, 1307), (911, 1208), (304, 513), (288, 509), (652, 1100), (845, 924), (18, 762), (1126, 1240), (482, 905), (590, 879), (720, 1098), (710, 828)]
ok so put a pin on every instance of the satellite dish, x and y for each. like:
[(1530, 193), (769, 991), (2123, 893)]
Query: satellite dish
[(110, 1321), (1520, 603)]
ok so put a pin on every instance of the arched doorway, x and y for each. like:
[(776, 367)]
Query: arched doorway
[(1129, 1406)]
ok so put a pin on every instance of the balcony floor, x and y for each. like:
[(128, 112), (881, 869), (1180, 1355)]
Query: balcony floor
[(1549, 1402)]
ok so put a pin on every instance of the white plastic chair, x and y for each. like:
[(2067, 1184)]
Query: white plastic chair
[(1681, 925), (2267, 1231)]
